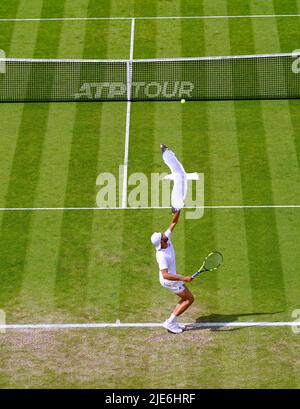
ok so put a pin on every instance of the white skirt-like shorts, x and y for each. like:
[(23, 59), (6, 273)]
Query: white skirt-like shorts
[(173, 286)]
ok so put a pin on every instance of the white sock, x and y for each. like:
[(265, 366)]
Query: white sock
[(172, 319)]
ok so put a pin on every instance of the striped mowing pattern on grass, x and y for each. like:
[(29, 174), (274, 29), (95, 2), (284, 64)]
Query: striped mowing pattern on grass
[(73, 259), (222, 124), (275, 148), (288, 36), (41, 253), (278, 152), (60, 254), (17, 172)]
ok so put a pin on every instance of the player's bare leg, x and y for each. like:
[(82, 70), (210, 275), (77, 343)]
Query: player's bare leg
[(186, 301)]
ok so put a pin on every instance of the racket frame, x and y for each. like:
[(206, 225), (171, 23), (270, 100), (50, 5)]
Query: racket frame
[(202, 268)]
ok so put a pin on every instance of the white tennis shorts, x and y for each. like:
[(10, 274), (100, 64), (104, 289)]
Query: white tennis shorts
[(173, 286)]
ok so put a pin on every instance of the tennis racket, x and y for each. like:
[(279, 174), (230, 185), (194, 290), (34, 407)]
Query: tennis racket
[(210, 263)]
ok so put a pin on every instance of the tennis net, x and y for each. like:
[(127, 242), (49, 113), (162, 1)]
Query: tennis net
[(267, 76)]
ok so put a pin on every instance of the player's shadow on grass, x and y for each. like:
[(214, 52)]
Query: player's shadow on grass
[(224, 318)]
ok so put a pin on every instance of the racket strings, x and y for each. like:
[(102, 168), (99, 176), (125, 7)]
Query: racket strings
[(213, 261)]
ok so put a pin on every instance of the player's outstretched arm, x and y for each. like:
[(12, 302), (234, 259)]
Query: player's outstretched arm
[(175, 218)]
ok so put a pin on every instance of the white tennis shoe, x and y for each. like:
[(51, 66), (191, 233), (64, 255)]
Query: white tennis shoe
[(172, 327)]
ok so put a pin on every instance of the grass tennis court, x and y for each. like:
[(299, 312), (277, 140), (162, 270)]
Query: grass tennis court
[(98, 265)]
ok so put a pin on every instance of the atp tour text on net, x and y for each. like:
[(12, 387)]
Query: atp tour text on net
[(155, 399), (147, 192), (154, 89)]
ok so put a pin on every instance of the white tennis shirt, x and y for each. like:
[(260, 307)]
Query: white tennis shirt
[(166, 259)]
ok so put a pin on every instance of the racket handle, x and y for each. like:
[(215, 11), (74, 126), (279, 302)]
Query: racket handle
[(195, 274)]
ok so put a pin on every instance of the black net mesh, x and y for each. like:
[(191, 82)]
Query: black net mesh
[(215, 78)]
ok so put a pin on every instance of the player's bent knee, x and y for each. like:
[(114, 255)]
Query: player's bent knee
[(191, 299), (187, 296)]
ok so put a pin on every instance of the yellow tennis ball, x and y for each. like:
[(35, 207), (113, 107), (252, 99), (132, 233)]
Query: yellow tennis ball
[(182, 100)]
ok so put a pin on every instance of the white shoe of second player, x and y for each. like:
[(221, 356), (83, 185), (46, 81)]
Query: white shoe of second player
[(172, 327)]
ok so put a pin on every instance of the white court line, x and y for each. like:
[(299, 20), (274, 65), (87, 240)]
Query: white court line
[(11, 209), (148, 325), (149, 17), (128, 112)]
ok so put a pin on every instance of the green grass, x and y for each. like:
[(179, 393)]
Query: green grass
[(99, 266)]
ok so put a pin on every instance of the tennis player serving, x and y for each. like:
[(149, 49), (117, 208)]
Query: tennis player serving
[(168, 277)]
